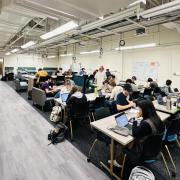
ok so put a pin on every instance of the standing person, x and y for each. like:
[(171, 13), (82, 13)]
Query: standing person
[(100, 77)]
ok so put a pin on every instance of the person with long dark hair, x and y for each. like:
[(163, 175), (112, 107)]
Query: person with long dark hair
[(148, 112)]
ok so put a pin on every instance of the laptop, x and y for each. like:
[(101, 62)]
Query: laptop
[(122, 121), (100, 94), (64, 97)]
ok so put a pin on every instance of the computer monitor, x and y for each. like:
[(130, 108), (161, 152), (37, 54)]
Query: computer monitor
[(121, 120), (64, 97)]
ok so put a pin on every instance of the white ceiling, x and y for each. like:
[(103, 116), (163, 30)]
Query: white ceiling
[(10, 24)]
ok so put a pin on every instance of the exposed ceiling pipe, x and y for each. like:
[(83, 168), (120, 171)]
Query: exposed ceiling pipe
[(162, 9), (132, 11), (138, 24), (27, 32), (109, 31)]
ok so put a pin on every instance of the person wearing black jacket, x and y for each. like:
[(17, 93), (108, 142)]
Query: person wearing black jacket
[(148, 112)]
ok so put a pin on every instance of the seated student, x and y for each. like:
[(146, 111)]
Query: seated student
[(151, 84), (75, 97), (106, 87), (134, 79), (41, 73), (122, 102), (90, 83), (132, 86), (115, 89), (59, 72), (82, 72), (150, 125), (108, 73), (49, 88), (167, 89), (67, 86)]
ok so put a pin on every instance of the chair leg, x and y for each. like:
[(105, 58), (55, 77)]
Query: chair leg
[(89, 154), (93, 117), (123, 164), (70, 122), (166, 166), (90, 121), (178, 143), (172, 161)]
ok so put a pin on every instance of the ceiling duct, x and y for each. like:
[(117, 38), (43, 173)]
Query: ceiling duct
[(162, 9)]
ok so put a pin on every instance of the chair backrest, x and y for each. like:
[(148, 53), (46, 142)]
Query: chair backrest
[(147, 91), (99, 102), (174, 125), (60, 78), (79, 109), (38, 96), (151, 147), (43, 79), (135, 95), (101, 113)]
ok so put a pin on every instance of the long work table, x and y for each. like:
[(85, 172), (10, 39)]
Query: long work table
[(103, 125)]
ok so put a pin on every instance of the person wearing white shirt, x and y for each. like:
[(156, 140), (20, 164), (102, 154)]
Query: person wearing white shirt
[(115, 90), (100, 77)]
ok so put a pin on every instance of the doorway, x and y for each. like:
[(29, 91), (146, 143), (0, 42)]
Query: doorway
[(1, 67)]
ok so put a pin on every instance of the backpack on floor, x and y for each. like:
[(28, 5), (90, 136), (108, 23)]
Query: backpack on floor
[(140, 172), (55, 114), (58, 134)]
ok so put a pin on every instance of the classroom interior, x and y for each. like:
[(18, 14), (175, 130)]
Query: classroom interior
[(76, 68)]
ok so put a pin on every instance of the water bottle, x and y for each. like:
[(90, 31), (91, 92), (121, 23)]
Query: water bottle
[(178, 102), (169, 103), (95, 91)]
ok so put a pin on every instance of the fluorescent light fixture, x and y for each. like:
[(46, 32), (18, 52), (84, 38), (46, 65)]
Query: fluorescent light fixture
[(90, 52), (60, 30), (51, 57), (8, 53), (28, 44), (64, 55), (136, 46), (138, 1), (15, 50), (162, 9)]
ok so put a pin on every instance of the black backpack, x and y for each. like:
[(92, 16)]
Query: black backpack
[(58, 134)]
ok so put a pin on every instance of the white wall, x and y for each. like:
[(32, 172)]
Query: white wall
[(26, 60), (167, 54)]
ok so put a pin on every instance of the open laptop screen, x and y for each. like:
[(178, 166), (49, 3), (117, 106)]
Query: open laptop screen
[(121, 120), (64, 97)]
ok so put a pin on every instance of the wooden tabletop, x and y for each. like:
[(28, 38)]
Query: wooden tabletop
[(103, 125), (163, 108)]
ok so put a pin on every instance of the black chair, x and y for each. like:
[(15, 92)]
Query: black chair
[(100, 113), (60, 80), (135, 95), (149, 150), (77, 112), (99, 102), (173, 129)]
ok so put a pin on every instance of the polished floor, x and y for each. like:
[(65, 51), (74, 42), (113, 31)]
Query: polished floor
[(24, 154)]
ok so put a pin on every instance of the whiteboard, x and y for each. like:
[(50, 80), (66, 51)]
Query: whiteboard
[(144, 70)]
